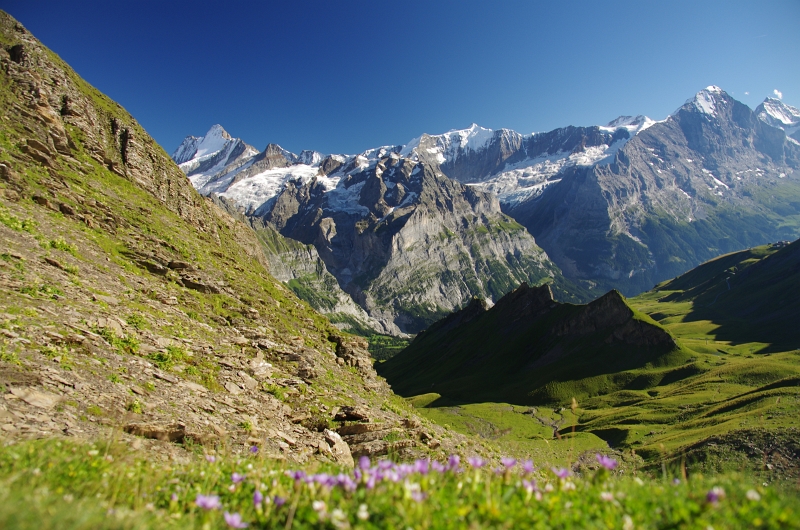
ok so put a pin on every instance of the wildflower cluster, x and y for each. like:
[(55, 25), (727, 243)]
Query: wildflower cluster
[(250, 491)]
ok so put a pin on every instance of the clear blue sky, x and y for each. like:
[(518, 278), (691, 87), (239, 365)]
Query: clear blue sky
[(344, 76)]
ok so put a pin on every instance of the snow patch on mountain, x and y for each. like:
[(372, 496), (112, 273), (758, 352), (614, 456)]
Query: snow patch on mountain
[(252, 192), (450, 143), (529, 178), (197, 148)]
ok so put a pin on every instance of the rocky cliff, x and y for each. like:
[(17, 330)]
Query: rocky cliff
[(409, 244)]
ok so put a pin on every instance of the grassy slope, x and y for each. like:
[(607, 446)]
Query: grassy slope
[(738, 383)]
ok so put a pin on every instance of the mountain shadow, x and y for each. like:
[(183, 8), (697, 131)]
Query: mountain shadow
[(531, 349)]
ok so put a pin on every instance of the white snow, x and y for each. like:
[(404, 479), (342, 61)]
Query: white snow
[(448, 144), (720, 183), (778, 114), (341, 199), (705, 101), (634, 125)]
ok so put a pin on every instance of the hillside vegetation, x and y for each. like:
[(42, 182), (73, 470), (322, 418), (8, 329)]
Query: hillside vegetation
[(723, 395)]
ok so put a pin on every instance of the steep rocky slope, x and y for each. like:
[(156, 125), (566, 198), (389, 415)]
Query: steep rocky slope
[(132, 307), (530, 349), (712, 178)]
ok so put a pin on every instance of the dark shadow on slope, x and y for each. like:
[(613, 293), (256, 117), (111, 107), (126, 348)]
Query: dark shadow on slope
[(529, 349)]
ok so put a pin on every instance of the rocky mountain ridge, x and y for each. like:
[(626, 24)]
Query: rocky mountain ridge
[(712, 178)]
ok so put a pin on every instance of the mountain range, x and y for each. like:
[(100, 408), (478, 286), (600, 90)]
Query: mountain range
[(412, 232)]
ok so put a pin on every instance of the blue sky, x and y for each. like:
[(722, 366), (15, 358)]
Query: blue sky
[(341, 77)]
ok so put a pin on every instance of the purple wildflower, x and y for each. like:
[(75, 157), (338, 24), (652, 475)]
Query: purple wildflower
[(254, 449), (278, 500), (346, 483), (676, 481), (296, 475), (476, 462), (715, 495), (364, 462), (211, 458), (421, 466), (453, 463), (527, 466), (234, 520), (529, 485), (258, 498), (508, 463), (237, 478), (607, 462), (173, 497), (371, 481), (208, 502), (437, 466), (561, 472), (323, 479), (418, 496), (384, 465)]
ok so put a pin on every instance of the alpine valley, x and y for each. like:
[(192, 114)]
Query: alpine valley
[(174, 345), (414, 231)]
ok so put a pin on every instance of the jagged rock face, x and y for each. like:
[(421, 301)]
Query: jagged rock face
[(408, 243), (712, 178)]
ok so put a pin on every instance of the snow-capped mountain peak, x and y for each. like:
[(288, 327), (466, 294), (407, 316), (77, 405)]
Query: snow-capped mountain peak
[(194, 147), (707, 100), (777, 113)]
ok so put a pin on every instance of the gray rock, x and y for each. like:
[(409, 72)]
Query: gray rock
[(339, 449), (36, 397)]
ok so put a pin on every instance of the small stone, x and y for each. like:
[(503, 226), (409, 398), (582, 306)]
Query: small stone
[(164, 342), (339, 448), (174, 432), (348, 413), (289, 439), (66, 209), (166, 377), (180, 265), (41, 201), (194, 386), (110, 300), (249, 382), (233, 388), (34, 397)]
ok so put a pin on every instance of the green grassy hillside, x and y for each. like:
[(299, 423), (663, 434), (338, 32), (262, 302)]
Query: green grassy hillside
[(724, 397)]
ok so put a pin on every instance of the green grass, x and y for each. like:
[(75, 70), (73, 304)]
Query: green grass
[(58, 484), (383, 347)]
